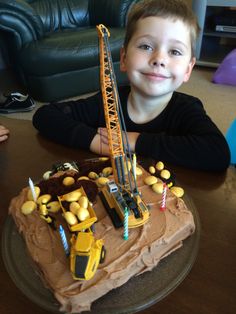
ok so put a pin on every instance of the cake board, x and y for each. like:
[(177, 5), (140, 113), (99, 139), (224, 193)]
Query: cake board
[(149, 287)]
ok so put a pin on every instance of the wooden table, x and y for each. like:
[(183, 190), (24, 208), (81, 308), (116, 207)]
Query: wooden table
[(209, 288)]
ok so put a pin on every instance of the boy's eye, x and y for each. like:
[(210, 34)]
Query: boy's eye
[(145, 47), (175, 52)]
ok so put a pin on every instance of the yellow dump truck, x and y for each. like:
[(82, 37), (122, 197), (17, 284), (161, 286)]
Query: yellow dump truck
[(86, 252)]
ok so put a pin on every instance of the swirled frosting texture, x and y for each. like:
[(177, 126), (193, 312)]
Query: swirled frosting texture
[(146, 246)]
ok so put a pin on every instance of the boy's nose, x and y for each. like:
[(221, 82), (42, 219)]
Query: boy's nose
[(158, 63), (158, 59)]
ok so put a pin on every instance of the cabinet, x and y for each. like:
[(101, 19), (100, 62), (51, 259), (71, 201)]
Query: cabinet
[(212, 45)]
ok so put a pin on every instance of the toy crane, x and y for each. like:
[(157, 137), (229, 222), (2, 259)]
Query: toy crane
[(121, 194)]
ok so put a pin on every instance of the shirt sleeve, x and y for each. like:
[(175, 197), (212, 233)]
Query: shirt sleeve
[(71, 123), (187, 137)]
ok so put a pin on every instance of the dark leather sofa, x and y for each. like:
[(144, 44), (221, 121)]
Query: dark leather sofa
[(53, 44)]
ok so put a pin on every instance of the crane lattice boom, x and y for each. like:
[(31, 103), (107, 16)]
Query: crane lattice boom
[(123, 198), (110, 101)]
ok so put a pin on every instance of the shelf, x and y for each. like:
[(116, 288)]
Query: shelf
[(219, 34), (213, 52), (221, 3), (207, 63), (213, 46)]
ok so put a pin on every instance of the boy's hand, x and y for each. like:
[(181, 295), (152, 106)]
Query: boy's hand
[(98, 147), (4, 132), (132, 138)]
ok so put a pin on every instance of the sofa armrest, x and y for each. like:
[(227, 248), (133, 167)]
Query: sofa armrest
[(19, 18), (108, 12)]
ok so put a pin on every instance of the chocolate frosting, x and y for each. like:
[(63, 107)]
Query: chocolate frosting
[(146, 246)]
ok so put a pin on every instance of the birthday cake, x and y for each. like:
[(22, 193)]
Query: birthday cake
[(146, 245)]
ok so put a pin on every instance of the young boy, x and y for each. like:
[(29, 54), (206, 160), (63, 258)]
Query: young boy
[(158, 56)]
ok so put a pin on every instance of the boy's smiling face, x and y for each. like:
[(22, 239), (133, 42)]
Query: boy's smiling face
[(158, 57)]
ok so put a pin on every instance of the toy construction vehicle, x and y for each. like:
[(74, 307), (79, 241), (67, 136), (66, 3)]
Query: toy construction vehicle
[(61, 166), (74, 198), (117, 201), (85, 255), (126, 196), (85, 252)]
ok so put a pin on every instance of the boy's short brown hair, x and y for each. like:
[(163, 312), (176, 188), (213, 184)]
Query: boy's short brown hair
[(174, 9)]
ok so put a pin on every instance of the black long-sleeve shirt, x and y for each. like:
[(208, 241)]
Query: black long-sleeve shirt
[(182, 134)]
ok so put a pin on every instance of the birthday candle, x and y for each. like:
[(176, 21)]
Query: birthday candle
[(31, 185), (126, 229), (134, 165), (64, 240), (163, 201)]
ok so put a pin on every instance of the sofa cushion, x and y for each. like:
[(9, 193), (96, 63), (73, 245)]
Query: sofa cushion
[(67, 50), (63, 14), (53, 45)]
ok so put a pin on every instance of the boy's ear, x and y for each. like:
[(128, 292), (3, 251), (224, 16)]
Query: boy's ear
[(189, 69), (122, 59)]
